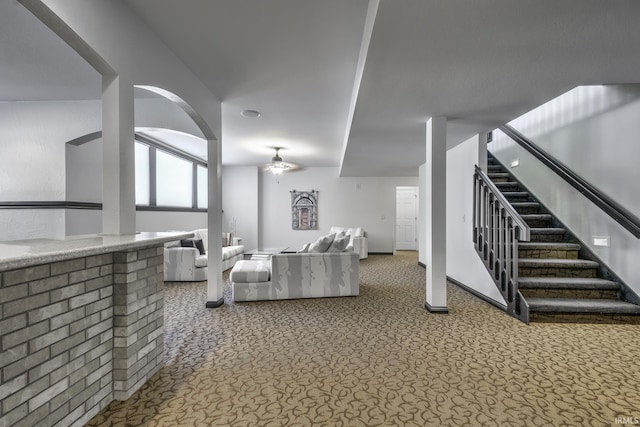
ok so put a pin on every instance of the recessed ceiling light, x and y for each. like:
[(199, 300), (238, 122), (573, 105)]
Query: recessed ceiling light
[(252, 114)]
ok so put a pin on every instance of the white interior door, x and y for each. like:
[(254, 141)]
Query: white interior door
[(407, 218)]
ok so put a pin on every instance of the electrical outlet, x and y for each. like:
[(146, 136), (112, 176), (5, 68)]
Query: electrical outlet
[(515, 163)]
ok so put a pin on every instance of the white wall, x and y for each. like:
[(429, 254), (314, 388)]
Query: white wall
[(32, 153), (21, 224), (170, 221), (348, 202), (594, 131), (84, 172), (240, 203), (36, 164), (463, 262), (83, 221), (32, 161), (604, 150)]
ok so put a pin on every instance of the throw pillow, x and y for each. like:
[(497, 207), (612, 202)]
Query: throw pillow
[(304, 249), (339, 244), (200, 245), (187, 243), (193, 243), (322, 244)]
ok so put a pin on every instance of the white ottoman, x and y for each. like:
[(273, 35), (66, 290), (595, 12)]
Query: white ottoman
[(250, 280)]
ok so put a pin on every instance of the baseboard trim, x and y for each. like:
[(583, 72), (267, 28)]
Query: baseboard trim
[(215, 304), (436, 310), (477, 294)]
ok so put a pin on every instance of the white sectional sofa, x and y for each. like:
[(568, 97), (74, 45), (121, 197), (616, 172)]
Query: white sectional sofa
[(297, 275), (186, 264)]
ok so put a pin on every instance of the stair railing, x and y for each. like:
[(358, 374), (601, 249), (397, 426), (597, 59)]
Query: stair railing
[(497, 229)]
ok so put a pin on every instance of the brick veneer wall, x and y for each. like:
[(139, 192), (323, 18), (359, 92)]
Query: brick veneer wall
[(77, 334), (138, 318)]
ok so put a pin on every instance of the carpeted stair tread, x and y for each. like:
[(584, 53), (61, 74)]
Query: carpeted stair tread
[(493, 175), (549, 245), (557, 263), (562, 305), (525, 204), (536, 217), (548, 230), (581, 283), (508, 194), (506, 184)]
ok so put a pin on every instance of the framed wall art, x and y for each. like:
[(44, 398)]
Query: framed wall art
[(304, 210)]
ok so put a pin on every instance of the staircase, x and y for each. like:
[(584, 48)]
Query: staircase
[(554, 277)]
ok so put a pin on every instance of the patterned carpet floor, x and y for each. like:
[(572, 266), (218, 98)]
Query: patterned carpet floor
[(380, 359)]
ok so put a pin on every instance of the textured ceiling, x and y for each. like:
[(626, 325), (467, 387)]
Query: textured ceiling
[(480, 64)]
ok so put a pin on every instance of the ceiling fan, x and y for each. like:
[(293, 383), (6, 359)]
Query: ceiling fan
[(277, 166)]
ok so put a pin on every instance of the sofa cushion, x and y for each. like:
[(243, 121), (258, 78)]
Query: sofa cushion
[(201, 261), (322, 244), (340, 243), (249, 271), (231, 251)]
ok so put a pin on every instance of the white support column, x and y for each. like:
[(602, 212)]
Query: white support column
[(214, 224), (118, 161), (482, 151), (436, 224)]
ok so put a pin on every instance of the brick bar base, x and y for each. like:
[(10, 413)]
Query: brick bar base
[(138, 318), (77, 334)]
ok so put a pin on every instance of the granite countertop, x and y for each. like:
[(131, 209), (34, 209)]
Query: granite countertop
[(24, 253)]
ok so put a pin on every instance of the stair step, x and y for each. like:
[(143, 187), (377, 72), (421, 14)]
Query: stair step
[(567, 305), (536, 216), (555, 267), (537, 220), (548, 250), (526, 207), (506, 184), (557, 262), (519, 195), (567, 283), (547, 234), (568, 287), (499, 175), (582, 310)]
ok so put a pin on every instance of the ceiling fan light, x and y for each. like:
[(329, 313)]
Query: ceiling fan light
[(277, 168)]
